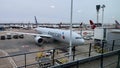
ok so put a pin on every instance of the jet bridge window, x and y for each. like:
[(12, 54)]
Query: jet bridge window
[(78, 38)]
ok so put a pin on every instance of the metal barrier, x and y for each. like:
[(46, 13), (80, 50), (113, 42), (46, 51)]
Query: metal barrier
[(101, 57), (78, 63)]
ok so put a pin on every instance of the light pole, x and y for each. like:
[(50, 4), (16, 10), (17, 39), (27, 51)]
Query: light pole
[(97, 8), (103, 6), (70, 45)]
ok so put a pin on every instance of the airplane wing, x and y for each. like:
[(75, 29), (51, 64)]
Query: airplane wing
[(32, 34)]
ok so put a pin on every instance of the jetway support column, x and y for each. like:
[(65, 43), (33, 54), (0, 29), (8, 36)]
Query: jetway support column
[(118, 63), (101, 64)]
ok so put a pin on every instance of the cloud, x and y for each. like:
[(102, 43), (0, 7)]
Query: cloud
[(79, 11), (52, 6)]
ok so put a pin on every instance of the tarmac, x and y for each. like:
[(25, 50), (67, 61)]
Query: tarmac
[(27, 44), (4, 62), (18, 46)]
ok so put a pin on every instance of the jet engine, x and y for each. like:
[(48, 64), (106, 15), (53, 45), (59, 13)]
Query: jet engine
[(39, 40)]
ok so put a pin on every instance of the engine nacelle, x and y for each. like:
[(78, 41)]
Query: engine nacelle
[(39, 40)]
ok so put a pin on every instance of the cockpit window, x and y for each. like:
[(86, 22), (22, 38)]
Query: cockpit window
[(78, 38)]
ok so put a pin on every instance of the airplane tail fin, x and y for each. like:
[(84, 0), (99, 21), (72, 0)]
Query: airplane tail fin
[(60, 25), (81, 23), (117, 22), (93, 26), (117, 25), (36, 21)]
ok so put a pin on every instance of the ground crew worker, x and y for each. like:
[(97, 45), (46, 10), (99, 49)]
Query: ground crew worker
[(39, 55)]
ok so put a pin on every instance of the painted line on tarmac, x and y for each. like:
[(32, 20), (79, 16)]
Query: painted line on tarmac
[(10, 59)]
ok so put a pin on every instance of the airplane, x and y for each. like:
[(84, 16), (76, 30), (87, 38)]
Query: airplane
[(117, 24), (88, 34), (60, 35), (93, 26), (57, 34), (36, 21)]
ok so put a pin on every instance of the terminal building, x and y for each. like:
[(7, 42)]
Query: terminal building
[(110, 36)]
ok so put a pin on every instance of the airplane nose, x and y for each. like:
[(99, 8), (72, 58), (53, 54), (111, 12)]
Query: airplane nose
[(82, 41)]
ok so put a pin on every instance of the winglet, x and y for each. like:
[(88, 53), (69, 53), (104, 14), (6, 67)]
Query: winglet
[(93, 26)]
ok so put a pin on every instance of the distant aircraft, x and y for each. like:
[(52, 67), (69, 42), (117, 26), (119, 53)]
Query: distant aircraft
[(93, 26), (36, 21), (57, 34), (88, 34), (117, 24)]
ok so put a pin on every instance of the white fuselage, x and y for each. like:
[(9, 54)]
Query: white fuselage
[(61, 35)]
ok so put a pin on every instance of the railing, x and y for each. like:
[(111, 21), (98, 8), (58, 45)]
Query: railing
[(24, 59)]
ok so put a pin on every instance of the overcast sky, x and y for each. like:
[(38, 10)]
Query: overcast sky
[(55, 11)]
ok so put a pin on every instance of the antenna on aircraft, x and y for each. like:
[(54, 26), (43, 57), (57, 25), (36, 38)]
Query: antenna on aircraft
[(36, 21)]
